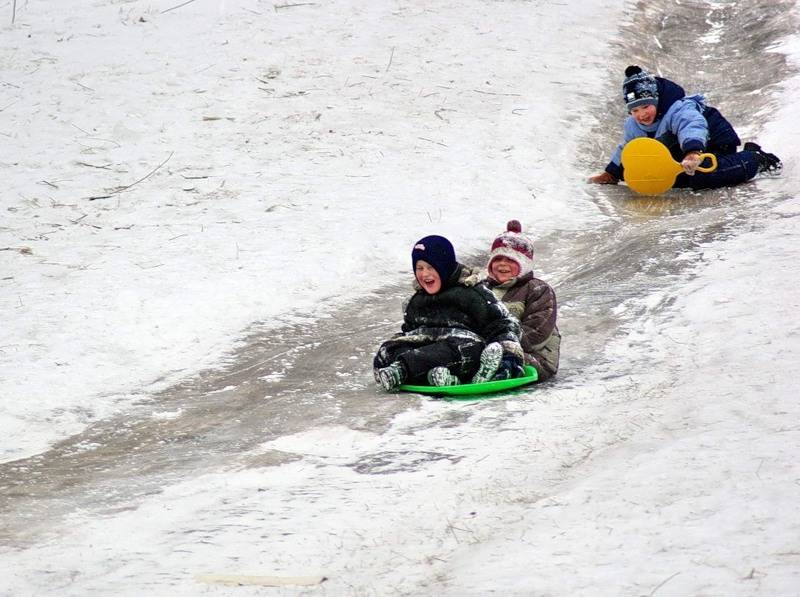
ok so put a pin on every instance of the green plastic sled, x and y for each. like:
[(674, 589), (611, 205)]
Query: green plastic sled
[(475, 389)]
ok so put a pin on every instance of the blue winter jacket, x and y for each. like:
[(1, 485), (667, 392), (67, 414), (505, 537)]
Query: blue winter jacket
[(683, 123)]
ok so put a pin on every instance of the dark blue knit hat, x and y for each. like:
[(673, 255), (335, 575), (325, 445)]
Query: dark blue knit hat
[(639, 88), (439, 252)]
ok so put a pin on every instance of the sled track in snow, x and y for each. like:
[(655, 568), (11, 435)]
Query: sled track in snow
[(264, 390)]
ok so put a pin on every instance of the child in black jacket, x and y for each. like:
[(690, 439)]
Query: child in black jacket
[(454, 328)]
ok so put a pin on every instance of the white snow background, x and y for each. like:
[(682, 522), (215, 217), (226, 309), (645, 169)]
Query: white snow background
[(173, 172)]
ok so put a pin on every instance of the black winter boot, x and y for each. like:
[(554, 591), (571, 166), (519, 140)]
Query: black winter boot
[(490, 361), (392, 376), (768, 163), (441, 376)]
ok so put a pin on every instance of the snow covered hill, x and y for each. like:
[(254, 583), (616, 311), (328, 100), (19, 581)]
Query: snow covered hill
[(208, 210)]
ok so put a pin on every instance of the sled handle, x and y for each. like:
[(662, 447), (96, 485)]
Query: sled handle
[(713, 165)]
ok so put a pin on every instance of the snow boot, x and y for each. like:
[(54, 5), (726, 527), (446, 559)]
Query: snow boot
[(441, 376), (392, 376), (490, 361), (768, 163)]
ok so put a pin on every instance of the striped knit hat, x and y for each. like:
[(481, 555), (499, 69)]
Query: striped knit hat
[(515, 246)]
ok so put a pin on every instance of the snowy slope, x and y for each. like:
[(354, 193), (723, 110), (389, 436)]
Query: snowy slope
[(176, 173)]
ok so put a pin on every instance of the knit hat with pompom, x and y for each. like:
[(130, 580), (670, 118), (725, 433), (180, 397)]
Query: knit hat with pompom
[(515, 246), (639, 88)]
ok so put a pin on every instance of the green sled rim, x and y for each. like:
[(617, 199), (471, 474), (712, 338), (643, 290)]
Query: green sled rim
[(475, 389)]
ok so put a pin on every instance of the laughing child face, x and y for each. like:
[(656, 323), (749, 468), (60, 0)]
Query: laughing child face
[(503, 269), (645, 115), (428, 277)]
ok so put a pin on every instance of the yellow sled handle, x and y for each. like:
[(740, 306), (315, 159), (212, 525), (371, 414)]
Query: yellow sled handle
[(713, 165)]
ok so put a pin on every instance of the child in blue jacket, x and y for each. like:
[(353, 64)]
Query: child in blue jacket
[(660, 109)]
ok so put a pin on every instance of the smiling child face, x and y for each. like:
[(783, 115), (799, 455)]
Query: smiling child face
[(503, 269), (644, 114), (428, 277)]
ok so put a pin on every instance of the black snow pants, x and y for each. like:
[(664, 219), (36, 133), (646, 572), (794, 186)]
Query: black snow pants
[(459, 354), (732, 169)]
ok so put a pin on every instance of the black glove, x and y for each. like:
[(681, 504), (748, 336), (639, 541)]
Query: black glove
[(510, 366)]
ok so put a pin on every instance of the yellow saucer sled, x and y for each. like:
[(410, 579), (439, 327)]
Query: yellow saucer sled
[(649, 167)]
